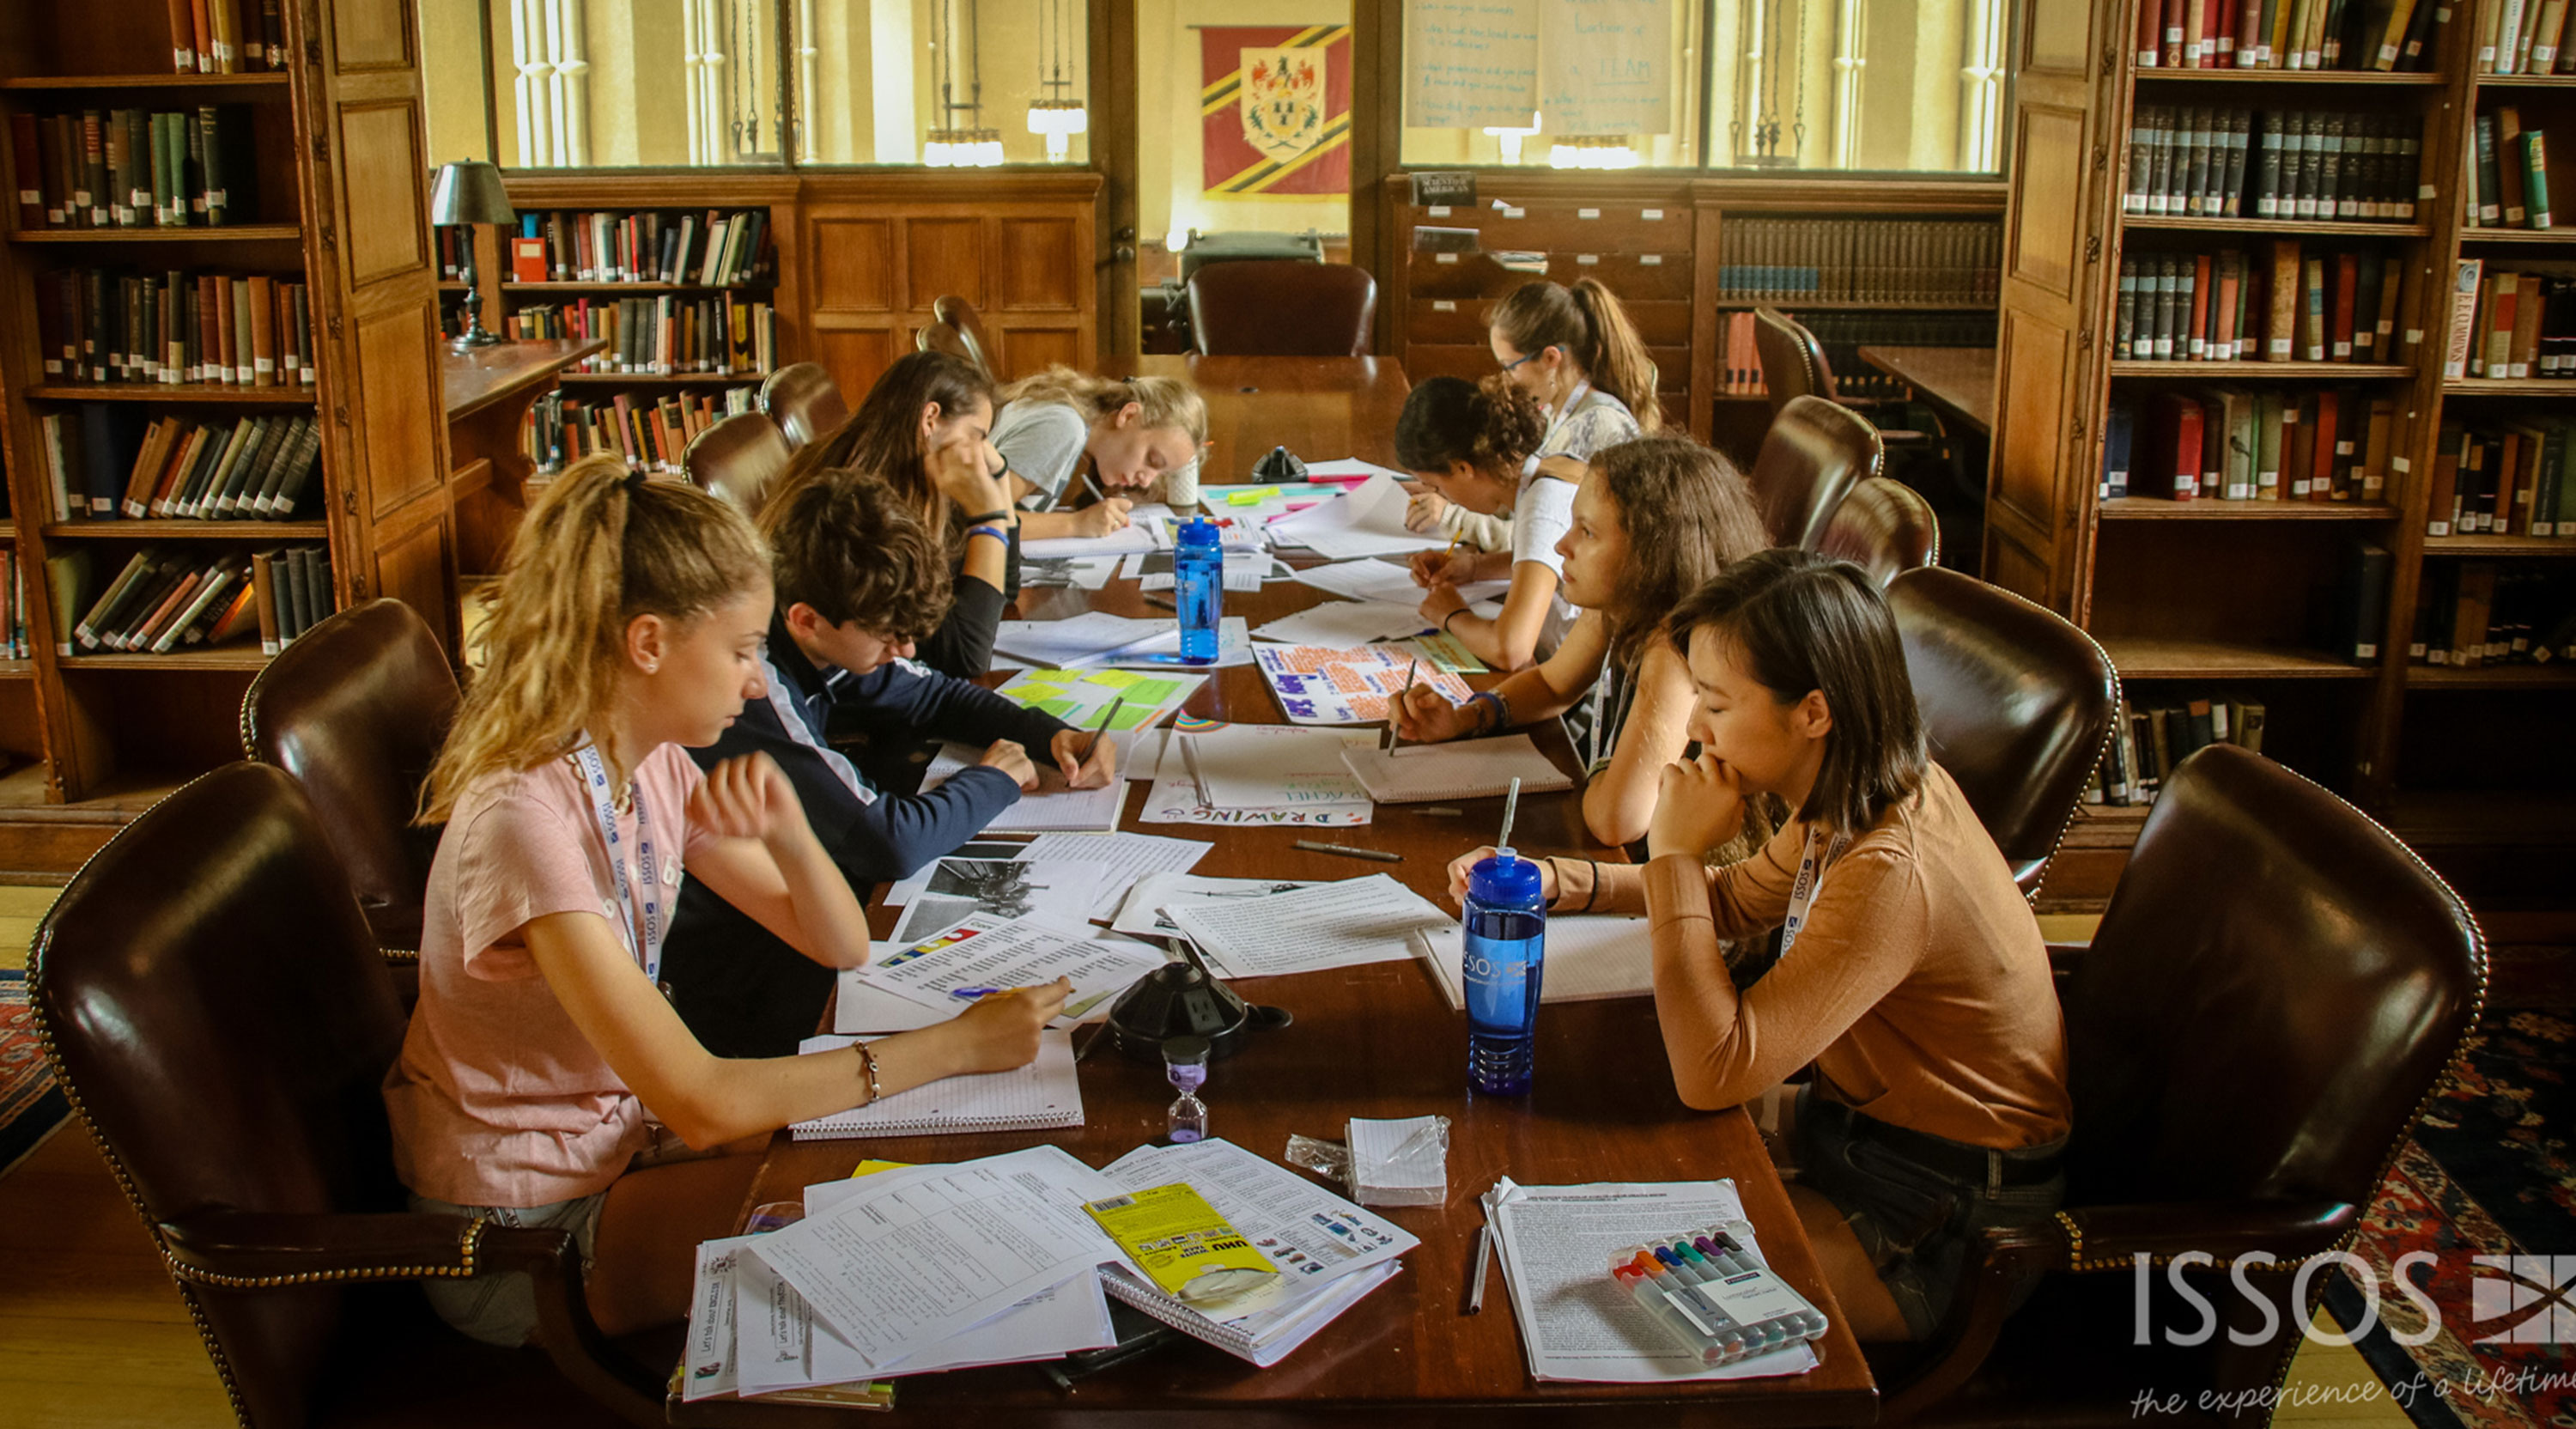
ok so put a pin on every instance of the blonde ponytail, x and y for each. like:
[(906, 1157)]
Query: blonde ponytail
[(599, 548), (1163, 403)]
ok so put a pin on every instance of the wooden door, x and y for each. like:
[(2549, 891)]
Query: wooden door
[(2050, 347), (375, 306)]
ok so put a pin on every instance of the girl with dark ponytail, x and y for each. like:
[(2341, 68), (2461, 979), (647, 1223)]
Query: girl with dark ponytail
[(1470, 443)]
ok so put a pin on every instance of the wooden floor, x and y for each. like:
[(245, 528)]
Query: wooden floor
[(91, 1333)]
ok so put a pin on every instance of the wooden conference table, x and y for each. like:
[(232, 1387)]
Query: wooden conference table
[(1958, 380), (1373, 1041)]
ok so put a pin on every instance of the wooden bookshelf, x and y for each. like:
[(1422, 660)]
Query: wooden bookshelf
[(332, 142), (2206, 598)]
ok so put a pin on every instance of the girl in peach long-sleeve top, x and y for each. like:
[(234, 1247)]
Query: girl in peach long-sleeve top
[(1912, 974)]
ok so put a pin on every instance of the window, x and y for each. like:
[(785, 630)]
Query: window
[(1863, 85), (674, 83)]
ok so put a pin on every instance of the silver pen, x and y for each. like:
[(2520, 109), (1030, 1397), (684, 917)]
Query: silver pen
[(1484, 1262)]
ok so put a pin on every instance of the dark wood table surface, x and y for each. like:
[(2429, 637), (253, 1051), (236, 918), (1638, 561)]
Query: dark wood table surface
[(478, 377), (1958, 380), (1372, 1041)]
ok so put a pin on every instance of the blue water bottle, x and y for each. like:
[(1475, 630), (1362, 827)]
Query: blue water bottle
[(1198, 589), (1506, 937)]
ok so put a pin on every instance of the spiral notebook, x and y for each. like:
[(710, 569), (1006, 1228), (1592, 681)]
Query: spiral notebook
[(1468, 769), (1041, 1094)]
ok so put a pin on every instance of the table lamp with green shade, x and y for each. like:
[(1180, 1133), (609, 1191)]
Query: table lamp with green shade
[(470, 192)]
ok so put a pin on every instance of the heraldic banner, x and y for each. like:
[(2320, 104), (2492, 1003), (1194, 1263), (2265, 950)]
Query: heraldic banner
[(1275, 110)]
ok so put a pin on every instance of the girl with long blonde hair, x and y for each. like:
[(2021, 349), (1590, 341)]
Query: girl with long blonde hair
[(627, 624), (1141, 435)]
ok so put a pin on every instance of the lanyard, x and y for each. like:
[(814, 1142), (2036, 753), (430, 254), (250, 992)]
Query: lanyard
[(594, 777), (1555, 419), (1802, 894), (794, 718)]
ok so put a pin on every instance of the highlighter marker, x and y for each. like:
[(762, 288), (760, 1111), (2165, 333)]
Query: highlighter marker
[(1656, 1304), (1728, 1258), (1731, 1333), (1814, 1320), (1686, 1302), (1758, 1337)]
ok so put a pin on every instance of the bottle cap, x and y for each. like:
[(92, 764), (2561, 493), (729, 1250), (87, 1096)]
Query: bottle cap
[(1505, 878), (1199, 531)]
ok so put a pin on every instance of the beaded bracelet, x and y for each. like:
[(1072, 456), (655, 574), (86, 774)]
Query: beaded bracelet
[(868, 1069)]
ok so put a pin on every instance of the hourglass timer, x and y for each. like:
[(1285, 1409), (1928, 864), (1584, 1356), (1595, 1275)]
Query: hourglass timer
[(1185, 1061)]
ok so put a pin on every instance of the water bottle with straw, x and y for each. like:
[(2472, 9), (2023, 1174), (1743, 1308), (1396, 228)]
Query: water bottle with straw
[(1506, 949)]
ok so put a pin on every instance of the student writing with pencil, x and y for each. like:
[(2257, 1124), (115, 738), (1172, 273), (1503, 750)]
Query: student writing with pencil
[(627, 625), (1912, 973), (857, 580), (1140, 437)]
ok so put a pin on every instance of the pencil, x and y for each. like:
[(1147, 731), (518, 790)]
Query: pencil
[(1395, 741), (1094, 742), (1346, 851)]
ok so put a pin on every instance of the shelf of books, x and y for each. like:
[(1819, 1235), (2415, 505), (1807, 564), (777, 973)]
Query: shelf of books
[(173, 439), (686, 295), (2328, 515)]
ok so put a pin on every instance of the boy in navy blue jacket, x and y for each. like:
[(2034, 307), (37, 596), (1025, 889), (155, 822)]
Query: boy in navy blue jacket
[(858, 579)]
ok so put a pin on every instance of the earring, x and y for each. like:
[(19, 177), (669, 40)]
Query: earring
[(652, 667)]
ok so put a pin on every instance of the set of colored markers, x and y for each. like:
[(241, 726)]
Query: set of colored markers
[(1711, 1292)]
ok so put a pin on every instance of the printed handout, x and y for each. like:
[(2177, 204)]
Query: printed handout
[(1175, 797), (983, 952), (1315, 685), (959, 888), (1143, 914), (1328, 925)]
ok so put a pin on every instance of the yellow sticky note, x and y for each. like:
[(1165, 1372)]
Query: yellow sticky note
[(872, 1167), (1113, 679), (1253, 497)]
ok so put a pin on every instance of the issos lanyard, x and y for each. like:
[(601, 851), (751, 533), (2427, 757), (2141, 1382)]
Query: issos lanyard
[(603, 805), (1802, 894)]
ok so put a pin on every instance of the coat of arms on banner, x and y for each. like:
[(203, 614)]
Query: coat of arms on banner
[(1283, 100)]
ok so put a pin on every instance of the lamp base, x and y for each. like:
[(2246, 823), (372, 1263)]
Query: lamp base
[(474, 337)]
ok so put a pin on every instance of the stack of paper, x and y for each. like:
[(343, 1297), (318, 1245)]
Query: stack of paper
[(1316, 685), (1368, 522), (1554, 1243), (1067, 572), (1329, 1251), (920, 985), (1328, 925), (1146, 910), (1466, 769), (1385, 581), (1591, 957), (1244, 570), (1097, 638), (1052, 806), (1265, 754)]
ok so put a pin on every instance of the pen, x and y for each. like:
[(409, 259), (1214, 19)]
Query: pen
[(1094, 742), (1441, 811), (1395, 741), (1484, 1263), (972, 993), (1164, 602), (1346, 851)]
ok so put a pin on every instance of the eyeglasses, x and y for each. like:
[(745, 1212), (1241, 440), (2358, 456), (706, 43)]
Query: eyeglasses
[(1524, 357)]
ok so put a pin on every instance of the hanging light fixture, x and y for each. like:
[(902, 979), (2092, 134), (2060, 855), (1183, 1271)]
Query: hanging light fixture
[(1056, 114), (951, 145)]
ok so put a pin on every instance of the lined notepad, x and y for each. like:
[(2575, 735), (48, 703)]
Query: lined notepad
[(1469, 769), (1041, 1094)]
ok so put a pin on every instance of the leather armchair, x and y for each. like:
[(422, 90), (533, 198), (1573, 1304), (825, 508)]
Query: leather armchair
[(2016, 702), (960, 333), (1883, 527), (2274, 992), (805, 402), (1814, 454), (209, 998), (1283, 308), (356, 711), (738, 457)]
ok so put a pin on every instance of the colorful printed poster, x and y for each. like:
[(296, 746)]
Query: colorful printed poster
[(1320, 686), (1275, 109)]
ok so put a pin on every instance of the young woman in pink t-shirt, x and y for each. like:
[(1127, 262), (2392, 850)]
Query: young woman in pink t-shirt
[(628, 624)]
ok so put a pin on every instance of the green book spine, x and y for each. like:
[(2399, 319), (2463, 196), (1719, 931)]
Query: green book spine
[(2535, 180)]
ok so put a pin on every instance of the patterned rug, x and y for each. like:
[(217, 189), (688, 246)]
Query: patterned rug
[(31, 1106), (2490, 1172)]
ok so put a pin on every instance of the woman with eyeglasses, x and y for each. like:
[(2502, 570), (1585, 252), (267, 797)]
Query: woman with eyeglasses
[(1575, 355)]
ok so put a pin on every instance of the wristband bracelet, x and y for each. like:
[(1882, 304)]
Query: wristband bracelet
[(1444, 624), (1502, 712), (996, 532), (868, 1071), (988, 516)]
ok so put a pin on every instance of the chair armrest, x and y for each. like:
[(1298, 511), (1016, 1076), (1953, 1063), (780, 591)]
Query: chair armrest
[(241, 1250), (2096, 1239)]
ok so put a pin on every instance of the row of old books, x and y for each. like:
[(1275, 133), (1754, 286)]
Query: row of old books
[(2236, 444), (2284, 304), (2205, 162), (133, 168), (13, 605), (2523, 37), (1843, 335), (2509, 325), (2508, 174), (2385, 35), (1872, 260), (105, 325), (169, 598), (106, 461), (668, 333), (652, 435), (2474, 614), (227, 36), (2504, 481), (2147, 741), (711, 248)]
